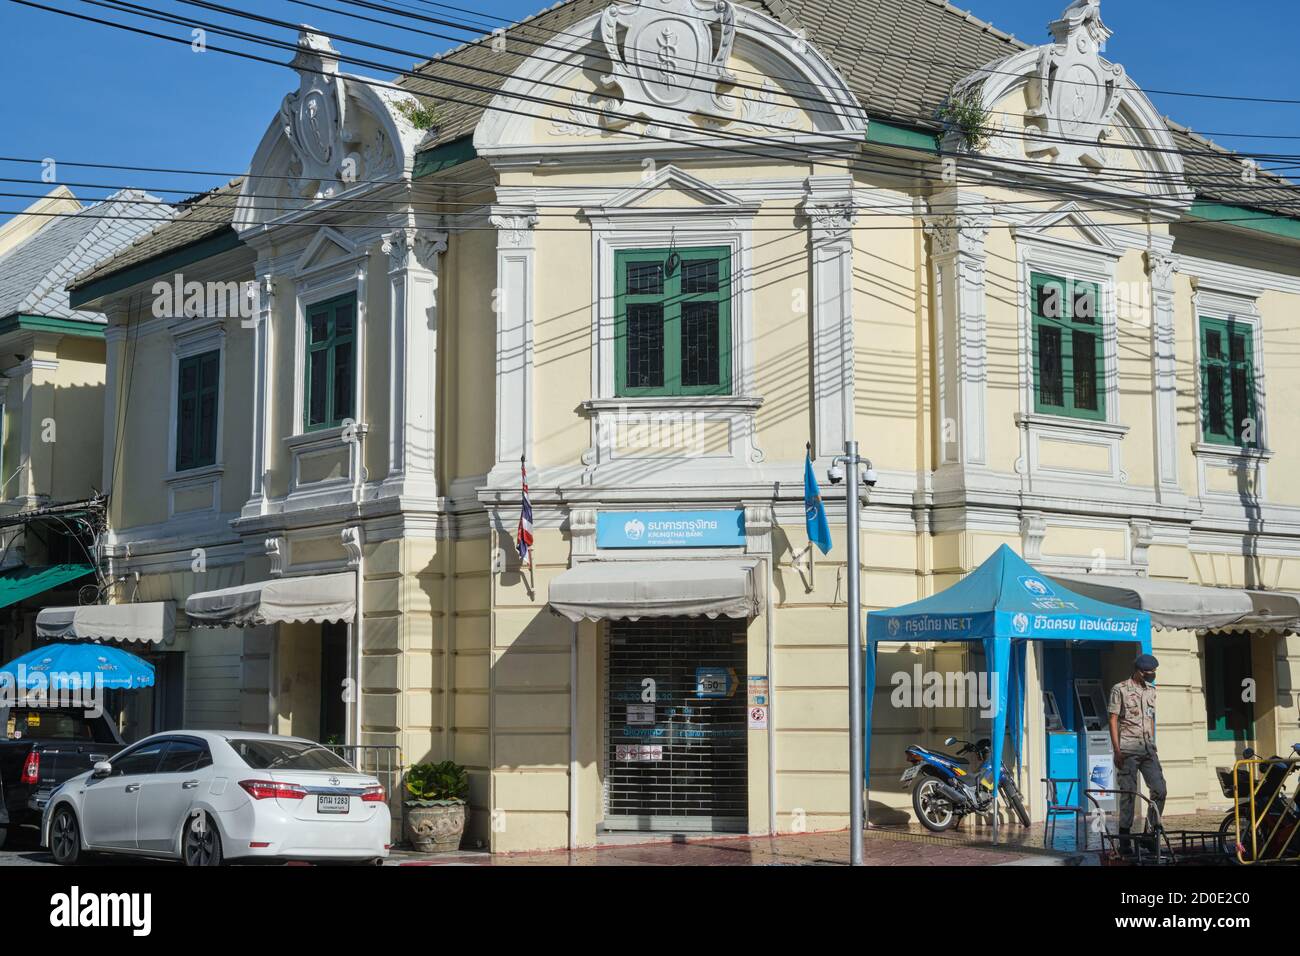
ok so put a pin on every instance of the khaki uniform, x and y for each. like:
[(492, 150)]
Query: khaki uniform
[(1135, 705)]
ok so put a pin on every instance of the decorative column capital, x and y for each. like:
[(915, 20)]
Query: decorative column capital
[(405, 246), (958, 234), (1160, 270), (514, 226), (829, 207)]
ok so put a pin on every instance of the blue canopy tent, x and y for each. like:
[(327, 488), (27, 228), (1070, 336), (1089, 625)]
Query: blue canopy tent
[(1003, 603)]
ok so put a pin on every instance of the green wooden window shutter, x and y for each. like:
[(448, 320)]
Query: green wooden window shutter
[(1227, 665), (196, 414), (1228, 383), (672, 326), (1069, 362), (331, 327)]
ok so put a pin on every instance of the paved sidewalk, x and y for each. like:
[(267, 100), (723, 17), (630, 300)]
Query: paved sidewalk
[(807, 849)]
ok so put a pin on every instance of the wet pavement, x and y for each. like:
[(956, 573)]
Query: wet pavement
[(901, 845), (880, 848)]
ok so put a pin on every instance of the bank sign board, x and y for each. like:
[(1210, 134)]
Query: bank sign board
[(670, 529)]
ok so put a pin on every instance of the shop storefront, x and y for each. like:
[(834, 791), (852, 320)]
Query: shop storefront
[(675, 725), (678, 645)]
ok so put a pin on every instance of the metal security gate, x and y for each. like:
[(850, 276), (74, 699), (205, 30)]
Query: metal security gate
[(675, 725)]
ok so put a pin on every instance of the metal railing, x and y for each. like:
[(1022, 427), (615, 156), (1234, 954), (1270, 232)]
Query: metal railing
[(1272, 814), (382, 760)]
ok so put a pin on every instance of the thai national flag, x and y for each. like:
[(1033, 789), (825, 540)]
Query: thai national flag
[(524, 536)]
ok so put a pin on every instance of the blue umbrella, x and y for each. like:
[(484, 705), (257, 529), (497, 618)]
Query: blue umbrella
[(79, 665)]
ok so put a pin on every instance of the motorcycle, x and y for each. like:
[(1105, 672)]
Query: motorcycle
[(1278, 813), (945, 790)]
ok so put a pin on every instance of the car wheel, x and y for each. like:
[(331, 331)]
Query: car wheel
[(202, 844), (65, 837)]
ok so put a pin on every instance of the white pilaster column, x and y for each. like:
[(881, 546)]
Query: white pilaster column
[(263, 375), (115, 336), (413, 257), (513, 304), (957, 253), (828, 207), (1160, 272)]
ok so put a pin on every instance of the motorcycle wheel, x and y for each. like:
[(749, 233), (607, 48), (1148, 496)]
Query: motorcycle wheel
[(1012, 793), (1228, 834), (932, 809)]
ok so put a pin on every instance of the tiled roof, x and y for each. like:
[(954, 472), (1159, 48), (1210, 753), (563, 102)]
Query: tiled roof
[(901, 58), (33, 274), (202, 218)]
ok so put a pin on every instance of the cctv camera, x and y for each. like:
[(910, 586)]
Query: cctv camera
[(869, 477), (835, 473)]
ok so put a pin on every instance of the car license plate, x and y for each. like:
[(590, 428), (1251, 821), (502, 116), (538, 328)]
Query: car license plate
[(909, 773), (333, 803)]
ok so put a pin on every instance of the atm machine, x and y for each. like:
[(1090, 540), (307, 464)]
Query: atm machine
[(1098, 764), (1077, 726)]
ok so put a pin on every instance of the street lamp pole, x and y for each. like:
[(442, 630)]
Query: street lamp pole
[(856, 780)]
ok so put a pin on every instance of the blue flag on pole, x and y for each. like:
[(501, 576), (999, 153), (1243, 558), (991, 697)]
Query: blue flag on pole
[(819, 530)]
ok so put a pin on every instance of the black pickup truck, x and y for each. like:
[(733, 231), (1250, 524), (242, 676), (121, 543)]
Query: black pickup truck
[(40, 748)]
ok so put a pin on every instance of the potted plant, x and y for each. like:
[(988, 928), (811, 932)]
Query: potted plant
[(435, 808)]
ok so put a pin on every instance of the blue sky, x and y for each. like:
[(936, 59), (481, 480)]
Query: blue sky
[(83, 92)]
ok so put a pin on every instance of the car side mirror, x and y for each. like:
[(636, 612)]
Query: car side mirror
[(950, 741), (102, 769)]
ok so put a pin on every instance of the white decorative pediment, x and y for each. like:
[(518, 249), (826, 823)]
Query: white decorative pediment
[(335, 135), (1062, 106), (668, 59), (327, 245), (672, 179), (1069, 225), (1074, 94), (660, 70), (685, 196)]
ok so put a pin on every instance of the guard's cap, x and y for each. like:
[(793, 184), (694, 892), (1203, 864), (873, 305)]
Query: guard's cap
[(1145, 662)]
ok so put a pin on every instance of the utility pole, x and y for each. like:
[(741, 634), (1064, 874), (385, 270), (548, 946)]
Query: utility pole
[(857, 782)]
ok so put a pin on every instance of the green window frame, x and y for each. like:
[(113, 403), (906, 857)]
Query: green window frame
[(330, 356), (1068, 332), (1227, 664), (1228, 382), (198, 383), (672, 325)]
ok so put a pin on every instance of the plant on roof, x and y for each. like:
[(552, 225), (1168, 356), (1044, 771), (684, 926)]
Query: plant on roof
[(965, 114), (419, 115)]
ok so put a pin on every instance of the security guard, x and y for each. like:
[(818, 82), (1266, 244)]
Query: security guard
[(1132, 711)]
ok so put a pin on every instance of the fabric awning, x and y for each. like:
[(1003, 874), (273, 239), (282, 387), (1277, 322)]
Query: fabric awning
[(151, 623), (20, 583), (316, 598), (1173, 605), (632, 590), (1276, 611)]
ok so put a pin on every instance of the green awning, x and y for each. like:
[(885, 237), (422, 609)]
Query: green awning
[(18, 584)]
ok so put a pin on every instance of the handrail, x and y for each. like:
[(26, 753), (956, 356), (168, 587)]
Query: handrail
[(1286, 803)]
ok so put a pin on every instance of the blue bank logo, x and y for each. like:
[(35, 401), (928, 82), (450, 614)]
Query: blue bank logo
[(1036, 586)]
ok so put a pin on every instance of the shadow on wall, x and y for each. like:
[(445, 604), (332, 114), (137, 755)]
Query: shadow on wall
[(67, 442)]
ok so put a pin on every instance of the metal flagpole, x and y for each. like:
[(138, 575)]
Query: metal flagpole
[(855, 660)]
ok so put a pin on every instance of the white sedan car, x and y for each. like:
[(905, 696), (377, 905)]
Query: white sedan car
[(210, 797)]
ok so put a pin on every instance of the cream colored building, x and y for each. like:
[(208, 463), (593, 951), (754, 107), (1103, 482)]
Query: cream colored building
[(656, 287), (51, 406)]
